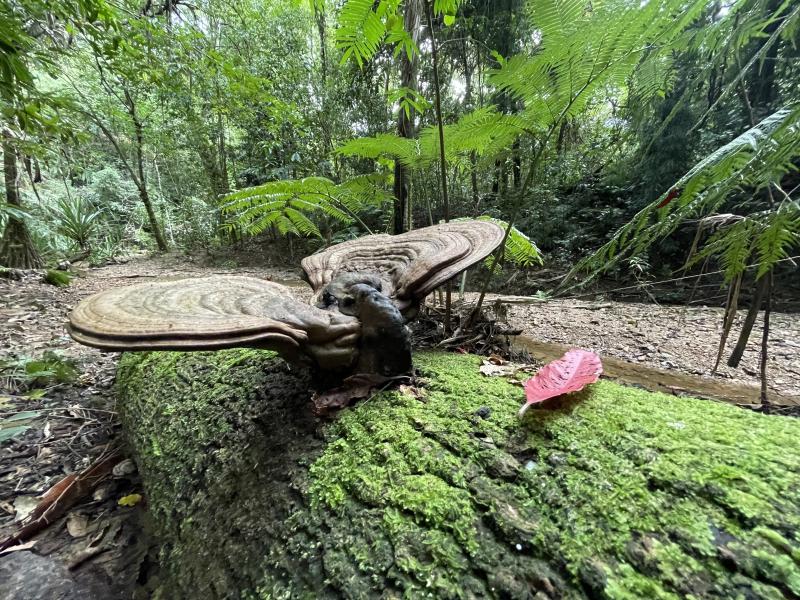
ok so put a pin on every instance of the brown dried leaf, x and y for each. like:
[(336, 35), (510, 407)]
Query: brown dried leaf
[(496, 359), (77, 524), (412, 391), (334, 399), (491, 370)]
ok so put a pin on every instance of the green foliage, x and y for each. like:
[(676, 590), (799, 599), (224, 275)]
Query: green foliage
[(14, 212), (519, 249), (364, 25), (486, 132), (406, 150), (76, 219), (753, 163), (16, 424), (561, 116), (57, 278), (24, 372), (583, 51), (290, 205), (33, 34), (409, 100)]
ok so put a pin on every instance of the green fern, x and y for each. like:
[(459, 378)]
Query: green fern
[(780, 233), (519, 249), (290, 205), (584, 50), (390, 145), (754, 161), (362, 28)]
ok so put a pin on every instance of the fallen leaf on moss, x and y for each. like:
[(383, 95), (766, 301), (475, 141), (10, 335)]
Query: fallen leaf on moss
[(130, 500), (412, 391), (569, 373), (491, 370)]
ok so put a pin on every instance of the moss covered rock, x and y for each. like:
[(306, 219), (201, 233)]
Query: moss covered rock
[(442, 492)]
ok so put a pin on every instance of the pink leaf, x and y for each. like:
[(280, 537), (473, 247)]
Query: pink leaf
[(569, 373)]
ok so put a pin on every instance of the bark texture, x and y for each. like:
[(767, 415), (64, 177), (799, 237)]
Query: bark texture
[(440, 491), (17, 250)]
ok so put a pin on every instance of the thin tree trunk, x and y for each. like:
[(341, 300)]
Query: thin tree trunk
[(765, 340), (17, 250), (224, 187), (473, 158), (438, 108), (405, 123), (442, 162), (142, 185), (749, 321)]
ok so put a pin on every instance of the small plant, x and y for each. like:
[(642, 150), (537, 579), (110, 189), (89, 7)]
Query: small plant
[(57, 278), (76, 219), (107, 249), (23, 373)]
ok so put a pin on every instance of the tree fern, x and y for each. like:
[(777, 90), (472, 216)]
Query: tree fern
[(584, 49), (754, 161), (486, 132), (519, 248), (383, 144), (291, 205), (365, 25), (362, 28)]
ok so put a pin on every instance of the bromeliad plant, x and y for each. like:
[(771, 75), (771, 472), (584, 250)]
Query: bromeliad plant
[(76, 220)]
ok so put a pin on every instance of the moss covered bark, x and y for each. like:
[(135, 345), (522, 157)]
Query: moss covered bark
[(616, 493)]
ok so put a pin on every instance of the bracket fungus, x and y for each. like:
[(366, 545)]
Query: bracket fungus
[(365, 291)]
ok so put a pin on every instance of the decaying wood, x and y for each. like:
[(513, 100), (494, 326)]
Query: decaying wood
[(62, 496)]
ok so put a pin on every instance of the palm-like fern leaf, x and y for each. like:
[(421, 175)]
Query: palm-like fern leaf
[(290, 205), (755, 160)]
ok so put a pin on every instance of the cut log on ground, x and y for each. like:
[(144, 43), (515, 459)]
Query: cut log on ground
[(440, 491)]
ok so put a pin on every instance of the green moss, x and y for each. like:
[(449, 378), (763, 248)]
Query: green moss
[(613, 492), (57, 278)]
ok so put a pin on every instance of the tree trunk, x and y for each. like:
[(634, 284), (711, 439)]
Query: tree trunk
[(17, 250), (762, 85), (405, 123), (441, 491), (213, 166), (222, 152), (141, 184)]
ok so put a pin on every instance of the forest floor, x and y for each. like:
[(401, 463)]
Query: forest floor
[(66, 427)]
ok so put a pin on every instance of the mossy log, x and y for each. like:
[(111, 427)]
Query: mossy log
[(441, 491)]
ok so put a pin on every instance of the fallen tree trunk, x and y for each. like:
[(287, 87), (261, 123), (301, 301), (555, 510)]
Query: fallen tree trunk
[(440, 491)]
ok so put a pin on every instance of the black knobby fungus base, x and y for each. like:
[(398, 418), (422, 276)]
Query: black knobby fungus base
[(384, 347)]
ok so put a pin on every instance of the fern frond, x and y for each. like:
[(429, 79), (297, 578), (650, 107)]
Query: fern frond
[(361, 30), (383, 144), (754, 160), (290, 205), (780, 235), (519, 248)]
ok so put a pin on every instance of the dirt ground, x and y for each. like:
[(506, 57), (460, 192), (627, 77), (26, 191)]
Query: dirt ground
[(98, 543), (671, 339)]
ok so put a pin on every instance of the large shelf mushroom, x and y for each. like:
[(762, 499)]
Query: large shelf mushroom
[(365, 292)]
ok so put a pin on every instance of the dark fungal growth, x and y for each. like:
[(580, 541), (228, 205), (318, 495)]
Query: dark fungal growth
[(366, 290)]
